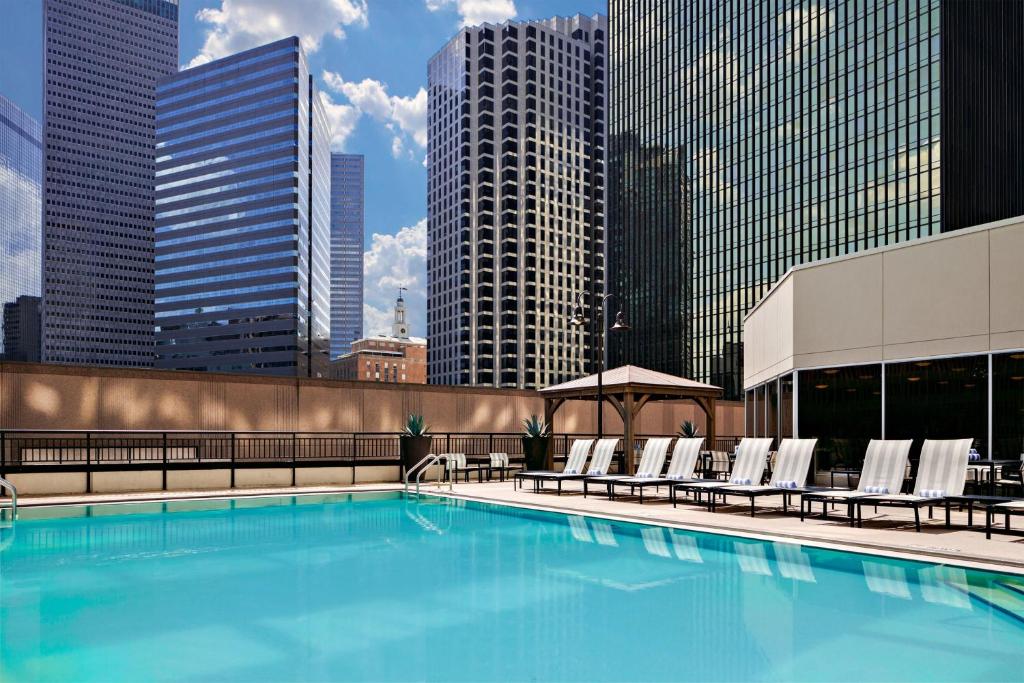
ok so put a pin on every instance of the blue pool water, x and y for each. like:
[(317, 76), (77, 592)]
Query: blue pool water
[(376, 587)]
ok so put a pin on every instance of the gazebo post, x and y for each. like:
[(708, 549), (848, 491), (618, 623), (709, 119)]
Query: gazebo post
[(707, 404), (550, 406), (627, 432)]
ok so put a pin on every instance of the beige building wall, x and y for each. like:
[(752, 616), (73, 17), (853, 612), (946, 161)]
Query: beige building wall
[(956, 293), (34, 396)]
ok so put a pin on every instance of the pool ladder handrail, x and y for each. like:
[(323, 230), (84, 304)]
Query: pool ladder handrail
[(13, 490), (422, 466)]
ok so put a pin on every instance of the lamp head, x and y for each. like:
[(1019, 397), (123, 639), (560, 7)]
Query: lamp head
[(620, 324), (577, 318)]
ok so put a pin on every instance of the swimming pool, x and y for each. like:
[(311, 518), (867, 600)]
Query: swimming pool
[(377, 587)]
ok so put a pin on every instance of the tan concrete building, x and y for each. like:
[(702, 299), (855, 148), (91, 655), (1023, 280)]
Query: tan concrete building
[(917, 340)]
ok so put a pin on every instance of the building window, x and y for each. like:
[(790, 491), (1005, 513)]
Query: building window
[(939, 398), (1008, 405), (842, 408)]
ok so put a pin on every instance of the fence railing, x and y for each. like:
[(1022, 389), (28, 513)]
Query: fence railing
[(91, 451)]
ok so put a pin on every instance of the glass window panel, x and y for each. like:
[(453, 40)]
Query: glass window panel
[(749, 429), (786, 407), (941, 398), (772, 405), (759, 393), (842, 408), (1008, 405)]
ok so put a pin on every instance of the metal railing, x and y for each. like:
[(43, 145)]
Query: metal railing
[(37, 450), (421, 467), (13, 490)]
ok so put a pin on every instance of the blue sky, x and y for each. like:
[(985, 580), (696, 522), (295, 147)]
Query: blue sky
[(370, 58)]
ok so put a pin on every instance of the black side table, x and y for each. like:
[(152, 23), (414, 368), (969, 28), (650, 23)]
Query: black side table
[(970, 501)]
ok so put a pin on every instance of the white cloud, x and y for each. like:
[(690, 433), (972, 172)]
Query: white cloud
[(342, 118), (404, 116), (394, 261), (474, 12), (242, 24)]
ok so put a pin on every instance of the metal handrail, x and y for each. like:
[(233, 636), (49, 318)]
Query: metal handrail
[(422, 466), (14, 495)]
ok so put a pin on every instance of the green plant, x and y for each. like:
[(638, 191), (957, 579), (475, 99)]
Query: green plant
[(688, 430), (535, 427), (415, 426)]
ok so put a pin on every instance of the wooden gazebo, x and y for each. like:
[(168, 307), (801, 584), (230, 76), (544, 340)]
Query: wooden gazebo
[(629, 389)]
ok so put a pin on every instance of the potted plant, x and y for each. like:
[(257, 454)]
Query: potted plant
[(536, 439), (414, 442), (688, 430)]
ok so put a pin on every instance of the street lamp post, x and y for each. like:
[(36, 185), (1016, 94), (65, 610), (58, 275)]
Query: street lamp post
[(620, 325)]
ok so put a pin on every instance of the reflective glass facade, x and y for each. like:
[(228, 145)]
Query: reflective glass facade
[(21, 170), (347, 244), (649, 190), (243, 216), (102, 60), (803, 130)]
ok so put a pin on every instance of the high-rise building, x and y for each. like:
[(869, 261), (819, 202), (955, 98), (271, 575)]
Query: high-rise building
[(102, 61), (21, 329), (515, 192), (749, 137), (346, 252), (243, 216), (21, 164)]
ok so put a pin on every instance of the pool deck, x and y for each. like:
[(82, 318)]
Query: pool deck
[(890, 531)]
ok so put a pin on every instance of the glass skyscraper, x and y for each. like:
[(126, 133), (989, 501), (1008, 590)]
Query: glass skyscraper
[(21, 170), (347, 175), (751, 136), (102, 61), (243, 216)]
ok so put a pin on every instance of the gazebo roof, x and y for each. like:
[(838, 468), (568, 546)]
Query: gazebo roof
[(633, 379)]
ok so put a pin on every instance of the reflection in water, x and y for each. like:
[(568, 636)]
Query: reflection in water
[(347, 587)]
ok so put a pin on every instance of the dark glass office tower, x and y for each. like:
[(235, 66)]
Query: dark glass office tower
[(346, 252), (648, 190), (21, 164), (102, 61), (243, 216), (800, 131)]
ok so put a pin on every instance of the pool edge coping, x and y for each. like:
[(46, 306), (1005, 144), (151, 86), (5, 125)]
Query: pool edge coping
[(860, 548)]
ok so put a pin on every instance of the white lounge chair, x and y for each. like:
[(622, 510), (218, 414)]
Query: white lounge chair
[(789, 476), (649, 469), (578, 453), (599, 464), (500, 463), (941, 472), (751, 460), (885, 465), (680, 467), (651, 449), (455, 464)]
